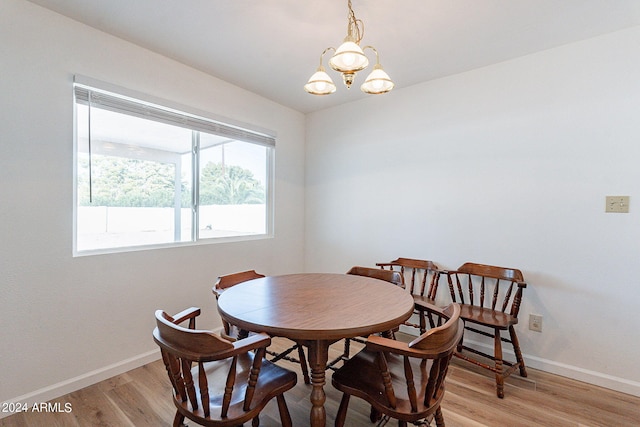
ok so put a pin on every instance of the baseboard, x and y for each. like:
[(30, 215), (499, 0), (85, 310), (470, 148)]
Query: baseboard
[(622, 385), (65, 387)]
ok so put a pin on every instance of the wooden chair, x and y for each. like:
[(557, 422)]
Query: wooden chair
[(393, 277), (217, 382), (404, 381), (490, 298), (421, 281), (232, 333)]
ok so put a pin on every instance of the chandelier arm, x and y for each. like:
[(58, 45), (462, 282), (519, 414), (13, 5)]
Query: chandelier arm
[(373, 49), (325, 51)]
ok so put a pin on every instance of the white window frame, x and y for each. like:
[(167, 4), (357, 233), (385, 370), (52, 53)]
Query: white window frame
[(121, 100)]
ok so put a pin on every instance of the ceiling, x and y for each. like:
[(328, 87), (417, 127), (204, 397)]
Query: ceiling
[(271, 47)]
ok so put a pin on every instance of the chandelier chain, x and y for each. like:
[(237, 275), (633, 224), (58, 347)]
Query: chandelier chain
[(356, 26)]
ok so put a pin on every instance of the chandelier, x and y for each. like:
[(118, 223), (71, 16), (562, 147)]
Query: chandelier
[(348, 59)]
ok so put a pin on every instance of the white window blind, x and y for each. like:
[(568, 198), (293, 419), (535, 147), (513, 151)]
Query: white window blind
[(135, 107)]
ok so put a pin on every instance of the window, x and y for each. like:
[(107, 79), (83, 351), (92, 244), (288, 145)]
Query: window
[(146, 175)]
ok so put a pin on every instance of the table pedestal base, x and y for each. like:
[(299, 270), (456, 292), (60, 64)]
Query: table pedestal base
[(318, 357)]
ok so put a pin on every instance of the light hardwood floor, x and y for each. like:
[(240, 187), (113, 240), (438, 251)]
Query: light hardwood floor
[(141, 398)]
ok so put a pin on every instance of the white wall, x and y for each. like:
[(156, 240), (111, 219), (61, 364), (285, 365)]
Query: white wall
[(506, 165), (66, 322)]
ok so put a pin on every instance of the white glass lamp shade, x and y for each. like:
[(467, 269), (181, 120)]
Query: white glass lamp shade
[(349, 58), (320, 83), (377, 82)]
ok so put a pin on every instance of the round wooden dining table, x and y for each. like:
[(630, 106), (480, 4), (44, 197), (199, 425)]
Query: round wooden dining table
[(316, 310)]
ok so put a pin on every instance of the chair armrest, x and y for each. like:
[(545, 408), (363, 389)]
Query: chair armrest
[(378, 343), (431, 308), (190, 313), (252, 342), (217, 292), (444, 313)]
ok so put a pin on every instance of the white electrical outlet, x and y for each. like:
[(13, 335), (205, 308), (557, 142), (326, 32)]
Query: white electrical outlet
[(535, 322)]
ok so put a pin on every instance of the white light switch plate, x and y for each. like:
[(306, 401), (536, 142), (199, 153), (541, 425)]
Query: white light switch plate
[(617, 204)]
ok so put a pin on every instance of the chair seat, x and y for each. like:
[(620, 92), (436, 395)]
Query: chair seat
[(422, 299), (271, 381), (487, 317), (360, 375)]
